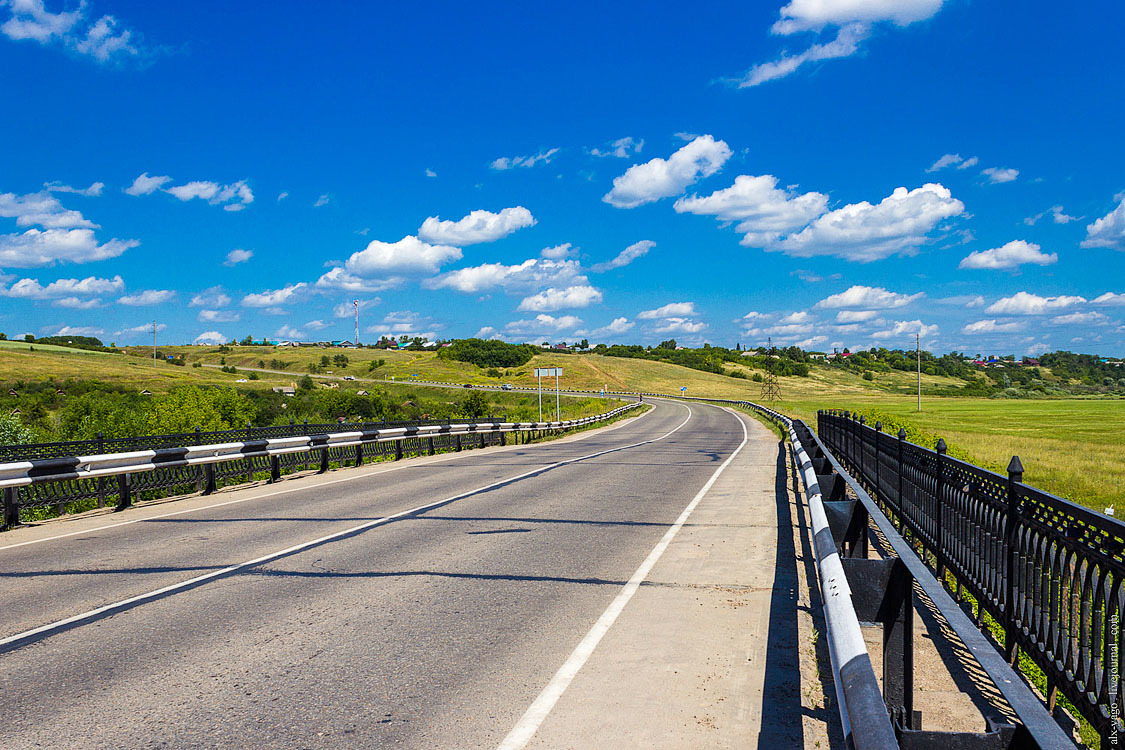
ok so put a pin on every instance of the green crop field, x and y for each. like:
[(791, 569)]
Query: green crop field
[(1072, 447)]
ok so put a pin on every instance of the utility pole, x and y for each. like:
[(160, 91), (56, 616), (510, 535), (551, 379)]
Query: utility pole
[(918, 353), (154, 343), (558, 410), (355, 304)]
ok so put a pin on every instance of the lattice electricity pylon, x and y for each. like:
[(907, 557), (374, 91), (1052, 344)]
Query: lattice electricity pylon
[(770, 389)]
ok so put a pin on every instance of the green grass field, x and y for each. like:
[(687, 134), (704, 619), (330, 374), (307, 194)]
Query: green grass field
[(1072, 447)]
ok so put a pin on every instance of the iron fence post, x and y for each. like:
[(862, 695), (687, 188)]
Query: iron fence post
[(898, 495), (939, 515), (1011, 559), (11, 507)]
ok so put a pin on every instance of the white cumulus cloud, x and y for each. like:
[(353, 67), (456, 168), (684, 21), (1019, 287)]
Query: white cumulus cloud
[(1109, 298), (664, 178), (1010, 255), (478, 226), (872, 298), (622, 148), (218, 316), (998, 175), (238, 255), (1108, 231), (1025, 303), (993, 326), (104, 38), (144, 185), (275, 297), (626, 256), (531, 275), (903, 328), (89, 286), (46, 247), (765, 212), (864, 232), (615, 328), (93, 191), (147, 297), (211, 337), (553, 299), (408, 255), (672, 309)]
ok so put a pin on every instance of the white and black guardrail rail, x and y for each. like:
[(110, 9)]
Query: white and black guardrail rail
[(63, 471)]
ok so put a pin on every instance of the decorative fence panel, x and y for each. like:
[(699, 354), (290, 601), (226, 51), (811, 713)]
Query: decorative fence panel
[(1049, 571)]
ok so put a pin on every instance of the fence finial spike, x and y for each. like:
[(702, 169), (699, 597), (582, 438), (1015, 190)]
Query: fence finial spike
[(878, 426), (902, 433), (941, 446), (1015, 467)]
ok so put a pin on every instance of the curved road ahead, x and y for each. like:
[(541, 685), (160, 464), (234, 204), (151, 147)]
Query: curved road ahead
[(427, 603)]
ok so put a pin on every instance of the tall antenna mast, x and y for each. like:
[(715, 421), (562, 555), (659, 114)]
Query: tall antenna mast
[(770, 389), (355, 304)]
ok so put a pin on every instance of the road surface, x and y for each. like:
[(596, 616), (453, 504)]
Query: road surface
[(578, 593)]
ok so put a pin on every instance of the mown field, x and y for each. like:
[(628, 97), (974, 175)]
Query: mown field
[(1072, 447)]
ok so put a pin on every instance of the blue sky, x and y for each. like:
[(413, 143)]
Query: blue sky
[(823, 172)]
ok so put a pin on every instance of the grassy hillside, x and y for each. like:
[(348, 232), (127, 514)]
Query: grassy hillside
[(1074, 447)]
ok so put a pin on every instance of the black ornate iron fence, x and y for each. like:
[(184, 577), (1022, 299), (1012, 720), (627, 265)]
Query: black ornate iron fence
[(1049, 571)]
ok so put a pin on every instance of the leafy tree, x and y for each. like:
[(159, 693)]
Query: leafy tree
[(305, 383), (324, 361), (475, 405), (112, 414), (340, 360), (486, 354), (669, 344), (12, 432), (187, 407)]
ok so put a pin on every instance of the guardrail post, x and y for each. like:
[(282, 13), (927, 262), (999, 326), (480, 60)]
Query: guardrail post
[(482, 440), (458, 446), (1011, 559), (208, 479), (431, 446), (124, 492), (939, 511), (503, 442), (359, 454), (11, 507), (323, 461), (275, 469), (398, 450)]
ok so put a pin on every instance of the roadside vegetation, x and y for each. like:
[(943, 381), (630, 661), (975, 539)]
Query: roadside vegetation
[(1063, 415)]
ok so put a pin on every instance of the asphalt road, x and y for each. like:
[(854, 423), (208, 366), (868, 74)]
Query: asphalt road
[(435, 629)]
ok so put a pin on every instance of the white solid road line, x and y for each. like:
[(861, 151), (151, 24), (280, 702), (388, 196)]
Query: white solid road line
[(15, 641), (533, 718), (364, 475)]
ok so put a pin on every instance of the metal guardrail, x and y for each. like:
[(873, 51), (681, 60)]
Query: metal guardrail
[(857, 590), (118, 477), (1049, 571)]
